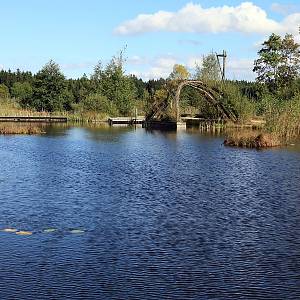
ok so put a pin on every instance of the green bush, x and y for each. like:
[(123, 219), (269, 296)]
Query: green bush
[(4, 91), (233, 99), (98, 103), (22, 91)]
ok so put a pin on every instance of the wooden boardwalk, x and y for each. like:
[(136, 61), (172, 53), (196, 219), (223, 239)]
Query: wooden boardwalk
[(47, 119), (126, 121)]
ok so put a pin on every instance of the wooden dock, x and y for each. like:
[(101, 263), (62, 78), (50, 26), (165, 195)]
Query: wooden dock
[(48, 119), (202, 122), (186, 122), (160, 125), (125, 121)]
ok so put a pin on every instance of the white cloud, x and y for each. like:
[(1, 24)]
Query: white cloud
[(240, 69), (291, 24), (75, 66), (192, 61), (156, 73), (237, 68), (162, 67), (189, 42), (245, 18), (155, 68), (284, 9), (166, 62), (137, 60)]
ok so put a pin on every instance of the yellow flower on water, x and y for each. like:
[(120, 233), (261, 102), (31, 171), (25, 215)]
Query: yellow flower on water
[(24, 233)]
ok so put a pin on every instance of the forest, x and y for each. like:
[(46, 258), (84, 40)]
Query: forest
[(109, 91)]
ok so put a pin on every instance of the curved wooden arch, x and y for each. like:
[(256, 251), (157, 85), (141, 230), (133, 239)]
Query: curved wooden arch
[(209, 94)]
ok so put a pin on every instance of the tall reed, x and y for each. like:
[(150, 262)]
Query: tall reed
[(20, 128), (283, 118)]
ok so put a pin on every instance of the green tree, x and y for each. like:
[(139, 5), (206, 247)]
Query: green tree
[(98, 103), (49, 89), (209, 70), (278, 64), (140, 86), (22, 91), (112, 82), (4, 91)]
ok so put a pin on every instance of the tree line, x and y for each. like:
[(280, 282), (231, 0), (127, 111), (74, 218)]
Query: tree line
[(109, 90)]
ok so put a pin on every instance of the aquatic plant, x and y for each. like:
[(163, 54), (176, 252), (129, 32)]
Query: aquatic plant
[(49, 230), (22, 232), (283, 118), (252, 139), (76, 231), (9, 230), (17, 128)]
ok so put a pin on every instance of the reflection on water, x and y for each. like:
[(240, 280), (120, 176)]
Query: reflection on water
[(124, 213)]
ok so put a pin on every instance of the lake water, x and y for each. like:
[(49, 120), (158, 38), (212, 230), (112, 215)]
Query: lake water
[(157, 215)]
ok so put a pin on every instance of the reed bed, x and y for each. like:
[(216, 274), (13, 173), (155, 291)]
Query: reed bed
[(87, 117), (281, 128), (252, 139), (17, 128), (10, 107)]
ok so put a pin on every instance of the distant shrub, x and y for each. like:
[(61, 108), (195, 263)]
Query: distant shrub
[(4, 91), (99, 104)]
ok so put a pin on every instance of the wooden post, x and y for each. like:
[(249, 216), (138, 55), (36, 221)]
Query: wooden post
[(177, 98), (223, 68), (224, 64), (135, 115)]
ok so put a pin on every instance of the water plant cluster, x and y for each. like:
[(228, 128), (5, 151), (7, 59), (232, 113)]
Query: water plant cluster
[(47, 230), (252, 139), (17, 128)]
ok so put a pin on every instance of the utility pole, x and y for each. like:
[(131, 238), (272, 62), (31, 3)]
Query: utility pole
[(223, 56)]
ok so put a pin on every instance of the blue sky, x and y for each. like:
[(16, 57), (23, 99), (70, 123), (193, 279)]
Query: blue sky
[(77, 34)]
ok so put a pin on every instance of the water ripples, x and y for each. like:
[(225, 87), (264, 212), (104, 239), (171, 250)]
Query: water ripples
[(147, 216)]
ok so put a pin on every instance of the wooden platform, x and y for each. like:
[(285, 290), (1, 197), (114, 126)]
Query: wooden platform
[(125, 121), (191, 122), (160, 125), (33, 119), (186, 122)]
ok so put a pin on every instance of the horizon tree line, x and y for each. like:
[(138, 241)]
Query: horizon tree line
[(110, 90)]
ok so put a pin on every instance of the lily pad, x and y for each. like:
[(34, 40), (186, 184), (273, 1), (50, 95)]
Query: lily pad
[(49, 230), (24, 232), (77, 231)]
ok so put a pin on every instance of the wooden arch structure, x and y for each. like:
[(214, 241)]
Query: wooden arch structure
[(212, 95)]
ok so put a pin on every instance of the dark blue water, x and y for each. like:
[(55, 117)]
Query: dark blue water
[(163, 215)]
